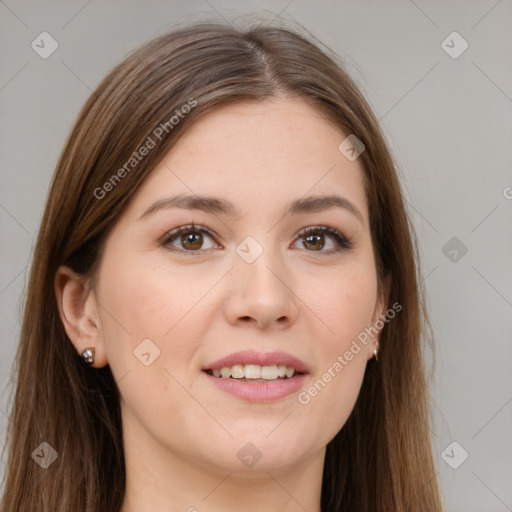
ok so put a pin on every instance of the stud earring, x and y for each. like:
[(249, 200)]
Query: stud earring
[(88, 356)]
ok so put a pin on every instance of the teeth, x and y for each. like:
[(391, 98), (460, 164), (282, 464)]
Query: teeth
[(237, 371), (252, 371), (255, 371), (269, 372)]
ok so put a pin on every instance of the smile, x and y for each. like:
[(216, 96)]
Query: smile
[(256, 376), (254, 372)]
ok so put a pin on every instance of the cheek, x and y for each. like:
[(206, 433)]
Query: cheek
[(151, 331), (144, 302), (345, 306)]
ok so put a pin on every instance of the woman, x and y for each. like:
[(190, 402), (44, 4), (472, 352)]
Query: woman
[(223, 307)]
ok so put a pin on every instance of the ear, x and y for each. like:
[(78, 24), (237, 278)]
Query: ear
[(78, 310), (379, 316)]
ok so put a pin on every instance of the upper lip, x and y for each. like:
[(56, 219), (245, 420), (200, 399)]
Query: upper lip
[(259, 358)]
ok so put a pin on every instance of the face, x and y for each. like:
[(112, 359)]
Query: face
[(245, 292)]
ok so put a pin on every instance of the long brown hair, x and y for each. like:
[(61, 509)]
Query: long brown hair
[(381, 459)]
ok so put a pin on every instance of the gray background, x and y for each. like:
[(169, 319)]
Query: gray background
[(448, 122)]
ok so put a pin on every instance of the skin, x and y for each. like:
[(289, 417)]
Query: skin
[(181, 434)]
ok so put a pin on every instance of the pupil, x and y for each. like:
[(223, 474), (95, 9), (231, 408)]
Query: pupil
[(313, 237), (193, 239)]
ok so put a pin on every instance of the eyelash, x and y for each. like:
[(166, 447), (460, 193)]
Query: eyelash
[(344, 243)]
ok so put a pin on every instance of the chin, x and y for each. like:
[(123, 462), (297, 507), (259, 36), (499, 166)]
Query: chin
[(248, 453)]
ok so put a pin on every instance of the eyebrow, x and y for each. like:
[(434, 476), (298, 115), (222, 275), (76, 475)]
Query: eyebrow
[(219, 206)]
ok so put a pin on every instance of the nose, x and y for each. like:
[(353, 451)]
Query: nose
[(261, 294)]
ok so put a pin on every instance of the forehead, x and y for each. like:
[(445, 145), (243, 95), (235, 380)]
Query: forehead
[(257, 154)]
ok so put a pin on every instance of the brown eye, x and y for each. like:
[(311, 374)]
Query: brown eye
[(318, 238), (314, 242), (192, 241), (188, 239)]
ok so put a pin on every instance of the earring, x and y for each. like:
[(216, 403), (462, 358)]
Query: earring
[(88, 356), (375, 351)]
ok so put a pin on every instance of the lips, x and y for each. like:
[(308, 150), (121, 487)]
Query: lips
[(257, 376)]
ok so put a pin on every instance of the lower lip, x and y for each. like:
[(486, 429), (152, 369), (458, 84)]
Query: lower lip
[(259, 391)]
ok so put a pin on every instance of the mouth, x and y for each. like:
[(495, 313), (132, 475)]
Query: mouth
[(255, 373), (257, 376)]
